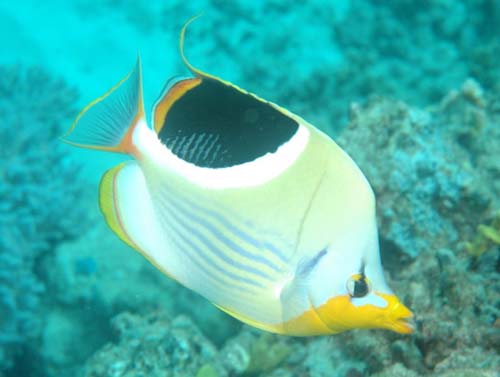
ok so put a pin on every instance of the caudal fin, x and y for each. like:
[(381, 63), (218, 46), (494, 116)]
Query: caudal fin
[(107, 122)]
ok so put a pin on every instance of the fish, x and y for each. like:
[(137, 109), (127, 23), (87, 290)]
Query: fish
[(244, 203)]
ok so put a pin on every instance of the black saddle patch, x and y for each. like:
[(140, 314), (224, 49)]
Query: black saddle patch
[(215, 125)]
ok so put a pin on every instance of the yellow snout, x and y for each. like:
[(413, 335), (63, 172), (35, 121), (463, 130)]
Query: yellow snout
[(339, 314)]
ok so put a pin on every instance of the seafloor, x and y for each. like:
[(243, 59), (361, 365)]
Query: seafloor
[(410, 89)]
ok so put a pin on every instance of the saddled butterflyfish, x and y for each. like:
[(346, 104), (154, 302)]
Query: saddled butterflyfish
[(243, 202)]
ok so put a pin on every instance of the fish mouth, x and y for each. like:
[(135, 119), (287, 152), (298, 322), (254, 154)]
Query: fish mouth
[(339, 314), (398, 317), (402, 325)]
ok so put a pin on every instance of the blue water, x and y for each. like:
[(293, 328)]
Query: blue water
[(411, 90)]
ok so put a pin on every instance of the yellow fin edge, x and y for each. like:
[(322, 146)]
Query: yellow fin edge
[(107, 204), (277, 329), (204, 75), (189, 66), (98, 128)]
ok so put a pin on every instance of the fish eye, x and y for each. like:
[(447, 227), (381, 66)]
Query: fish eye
[(358, 285)]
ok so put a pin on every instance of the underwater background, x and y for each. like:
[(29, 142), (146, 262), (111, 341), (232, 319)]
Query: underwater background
[(410, 89)]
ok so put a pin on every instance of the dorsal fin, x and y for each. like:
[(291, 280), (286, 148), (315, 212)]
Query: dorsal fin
[(107, 122), (177, 86), (195, 71), (213, 123)]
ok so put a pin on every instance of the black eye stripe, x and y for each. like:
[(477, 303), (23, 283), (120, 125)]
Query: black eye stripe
[(362, 269), (360, 287)]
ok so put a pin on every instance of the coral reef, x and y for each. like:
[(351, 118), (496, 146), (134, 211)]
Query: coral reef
[(156, 345), (253, 353), (435, 183), (415, 52), (152, 346), (487, 236), (266, 354), (39, 195), (426, 168)]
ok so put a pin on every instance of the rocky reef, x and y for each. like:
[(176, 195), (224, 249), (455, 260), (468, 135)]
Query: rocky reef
[(414, 51), (152, 346), (321, 56), (428, 168), (156, 345), (436, 176), (38, 207)]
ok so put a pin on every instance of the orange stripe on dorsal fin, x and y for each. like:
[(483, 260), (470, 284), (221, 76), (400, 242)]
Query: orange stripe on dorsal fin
[(177, 87), (107, 122), (174, 90)]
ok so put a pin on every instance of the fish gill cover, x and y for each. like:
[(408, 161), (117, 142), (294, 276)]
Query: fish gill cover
[(428, 142)]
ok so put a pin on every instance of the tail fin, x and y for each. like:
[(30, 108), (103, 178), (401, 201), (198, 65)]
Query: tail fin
[(107, 122)]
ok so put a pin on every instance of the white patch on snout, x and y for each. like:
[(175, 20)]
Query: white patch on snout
[(369, 299)]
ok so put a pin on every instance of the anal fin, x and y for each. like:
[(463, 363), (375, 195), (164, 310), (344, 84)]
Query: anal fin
[(126, 205), (108, 204)]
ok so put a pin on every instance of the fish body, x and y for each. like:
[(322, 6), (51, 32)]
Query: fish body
[(244, 203)]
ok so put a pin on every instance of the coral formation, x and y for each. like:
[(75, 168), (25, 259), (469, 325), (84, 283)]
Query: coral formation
[(266, 353), (153, 346), (426, 199), (207, 370), (414, 51), (431, 192), (156, 345), (252, 353), (39, 194), (487, 236)]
